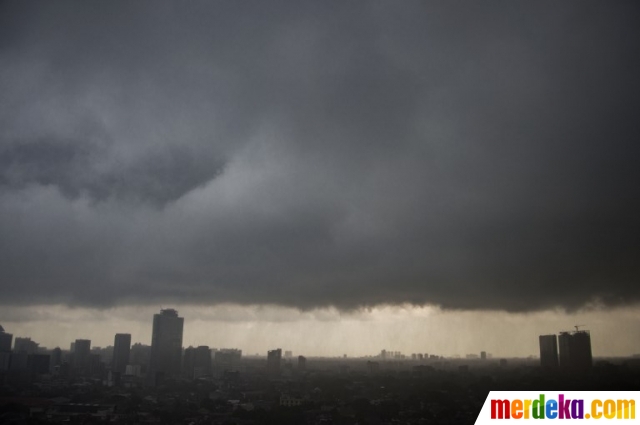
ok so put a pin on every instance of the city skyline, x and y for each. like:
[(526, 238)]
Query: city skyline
[(494, 347), (222, 385), (332, 177)]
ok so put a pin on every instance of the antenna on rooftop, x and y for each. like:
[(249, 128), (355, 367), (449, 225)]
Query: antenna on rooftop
[(578, 327)]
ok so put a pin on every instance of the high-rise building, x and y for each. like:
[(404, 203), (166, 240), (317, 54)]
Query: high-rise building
[(25, 345), (5, 341), (202, 362), (483, 355), (575, 351), (121, 351), (140, 355), (82, 357), (302, 363), (188, 361), (548, 351), (226, 359), (273, 362), (166, 344), (106, 353), (197, 362), (56, 357)]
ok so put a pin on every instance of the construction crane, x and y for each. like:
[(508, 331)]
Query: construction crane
[(578, 327)]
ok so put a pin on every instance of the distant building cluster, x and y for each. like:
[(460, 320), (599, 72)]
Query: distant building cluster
[(23, 361), (398, 355)]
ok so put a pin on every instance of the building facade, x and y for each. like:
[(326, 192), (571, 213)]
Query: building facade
[(166, 344), (121, 352), (273, 362), (25, 345), (82, 357), (548, 351), (575, 351)]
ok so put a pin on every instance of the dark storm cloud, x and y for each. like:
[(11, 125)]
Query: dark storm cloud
[(348, 154), (159, 177)]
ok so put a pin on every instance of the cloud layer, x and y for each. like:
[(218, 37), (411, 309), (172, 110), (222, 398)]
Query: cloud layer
[(334, 154)]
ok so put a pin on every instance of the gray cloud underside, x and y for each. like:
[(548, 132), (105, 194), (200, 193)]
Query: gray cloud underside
[(348, 154)]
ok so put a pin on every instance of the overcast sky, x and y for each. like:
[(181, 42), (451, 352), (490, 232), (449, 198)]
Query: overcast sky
[(321, 156)]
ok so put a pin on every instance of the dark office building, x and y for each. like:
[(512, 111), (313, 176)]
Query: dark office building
[(96, 365), (202, 362), (38, 364), (25, 345), (140, 355), (188, 360), (56, 357), (5, 341), (302, 363), (575, 351), (273, 362), (82, 357), (548, 351), (228, 355), (226, 359), (197, 362), (121, 351), (166, 344)]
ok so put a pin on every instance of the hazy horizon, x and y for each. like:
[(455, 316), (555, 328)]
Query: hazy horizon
[(329, 332)]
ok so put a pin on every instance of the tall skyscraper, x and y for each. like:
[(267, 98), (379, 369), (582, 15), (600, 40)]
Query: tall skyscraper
[(5, 341), (575, 351), (273, 362), (302, 363), (121, 351), (166, 343), (82, 357), (548, 351)]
